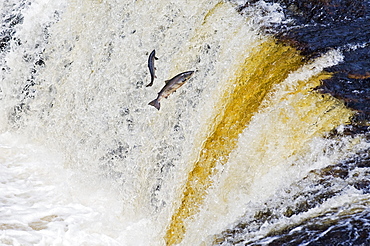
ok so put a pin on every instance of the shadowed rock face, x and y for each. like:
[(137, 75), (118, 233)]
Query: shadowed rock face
[(351, 82), (318, 26), (320, 11), (321, 25)]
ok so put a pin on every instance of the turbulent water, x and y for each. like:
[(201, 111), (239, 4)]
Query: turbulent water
[(254, 149)]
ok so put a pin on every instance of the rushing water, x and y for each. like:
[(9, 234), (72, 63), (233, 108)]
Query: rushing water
[(247, 152)]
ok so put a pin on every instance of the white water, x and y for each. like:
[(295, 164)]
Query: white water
[(90, 163), (44, 204)]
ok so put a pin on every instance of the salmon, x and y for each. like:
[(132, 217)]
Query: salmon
[(151, 67), (171, 86)]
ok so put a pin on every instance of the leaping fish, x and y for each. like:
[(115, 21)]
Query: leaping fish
[(151, 67), (171, 86)]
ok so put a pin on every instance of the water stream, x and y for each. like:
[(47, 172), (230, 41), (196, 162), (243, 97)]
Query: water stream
[(229, 158)]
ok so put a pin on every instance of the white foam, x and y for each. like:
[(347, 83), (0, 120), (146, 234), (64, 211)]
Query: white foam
[(95, 165), (43, 204)]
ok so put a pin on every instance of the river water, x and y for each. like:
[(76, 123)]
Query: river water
[(247, 152)]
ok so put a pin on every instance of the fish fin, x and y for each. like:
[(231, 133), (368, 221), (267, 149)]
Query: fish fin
[(156, 58), (166, 81), (155, 103), (155, 76)]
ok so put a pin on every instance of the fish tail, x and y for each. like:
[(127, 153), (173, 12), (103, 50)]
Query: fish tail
[(155, 103), (151, 82)]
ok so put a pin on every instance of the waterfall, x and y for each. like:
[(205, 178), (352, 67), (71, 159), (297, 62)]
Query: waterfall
[(247, 126)]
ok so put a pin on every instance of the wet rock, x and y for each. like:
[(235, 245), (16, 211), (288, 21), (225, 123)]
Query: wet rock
[(318, 26)]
